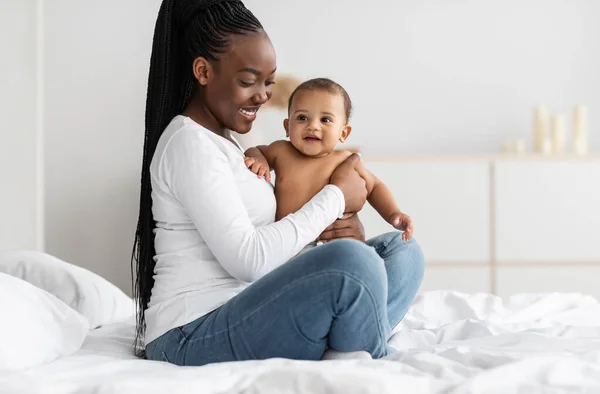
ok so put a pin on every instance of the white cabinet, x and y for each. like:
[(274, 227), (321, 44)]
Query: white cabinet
[(547, 211), (448, 202), (548, 279), (475, 279), (500, 224)]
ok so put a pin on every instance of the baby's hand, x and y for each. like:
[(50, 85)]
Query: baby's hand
[(403, 222), (259, 166)]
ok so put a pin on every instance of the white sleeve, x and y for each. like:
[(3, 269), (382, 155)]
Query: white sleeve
[(202, 181)]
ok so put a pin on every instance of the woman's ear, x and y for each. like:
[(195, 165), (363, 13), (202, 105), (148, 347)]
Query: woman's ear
[(345, 133), (286, 126), (202, 70)]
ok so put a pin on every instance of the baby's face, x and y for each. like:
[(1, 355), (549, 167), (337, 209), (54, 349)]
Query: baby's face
[(317, 121)]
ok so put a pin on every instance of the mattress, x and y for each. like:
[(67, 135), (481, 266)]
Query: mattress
[(449, 342)]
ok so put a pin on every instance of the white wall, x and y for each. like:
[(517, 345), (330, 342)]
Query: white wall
[(97, 56), (429, 76), (18, 134), (439, 76)]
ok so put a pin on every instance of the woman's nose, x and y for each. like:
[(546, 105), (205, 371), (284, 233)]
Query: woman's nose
[(261, 97)]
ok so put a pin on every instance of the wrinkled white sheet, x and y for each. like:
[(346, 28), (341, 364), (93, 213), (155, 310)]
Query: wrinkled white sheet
[(448, 343)]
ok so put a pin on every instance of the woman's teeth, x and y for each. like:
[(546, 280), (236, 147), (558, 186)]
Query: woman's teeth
[(248, 112)]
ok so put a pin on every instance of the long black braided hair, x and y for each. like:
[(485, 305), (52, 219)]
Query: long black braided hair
[(185, 30)]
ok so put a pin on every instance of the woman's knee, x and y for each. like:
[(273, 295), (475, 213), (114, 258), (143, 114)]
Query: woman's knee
[(407, 256), (392, 243), (353, 258), (416, 257)]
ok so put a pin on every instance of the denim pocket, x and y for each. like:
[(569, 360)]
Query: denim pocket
[(169, 346)]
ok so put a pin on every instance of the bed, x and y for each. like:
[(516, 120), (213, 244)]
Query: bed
[(449, 342)]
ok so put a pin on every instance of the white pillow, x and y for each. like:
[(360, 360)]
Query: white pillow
[(94, 297), (36, 327)]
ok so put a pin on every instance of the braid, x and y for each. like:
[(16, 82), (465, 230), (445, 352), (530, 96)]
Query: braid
[(185, 30)]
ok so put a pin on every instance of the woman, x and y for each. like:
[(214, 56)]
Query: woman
[(217, 279)]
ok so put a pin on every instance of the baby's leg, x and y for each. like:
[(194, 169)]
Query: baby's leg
[(405, 266)]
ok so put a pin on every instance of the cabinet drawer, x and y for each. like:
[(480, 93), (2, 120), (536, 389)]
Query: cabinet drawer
[(463, 279), (574, 279), (547, 211), (449, 203)]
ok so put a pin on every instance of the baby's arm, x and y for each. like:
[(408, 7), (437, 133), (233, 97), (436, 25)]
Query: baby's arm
[(380, 197)]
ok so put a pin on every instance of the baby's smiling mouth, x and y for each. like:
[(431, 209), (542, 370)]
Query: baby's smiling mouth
[(312, 138)]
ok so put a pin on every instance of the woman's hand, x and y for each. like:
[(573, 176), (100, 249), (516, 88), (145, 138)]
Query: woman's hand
[(350, 183), (344, 228)]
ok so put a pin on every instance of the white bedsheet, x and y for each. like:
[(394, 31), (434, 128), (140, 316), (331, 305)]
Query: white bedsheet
[(448, 343)]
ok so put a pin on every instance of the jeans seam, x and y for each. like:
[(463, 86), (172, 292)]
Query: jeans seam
[(164, 357), (180, 331), (291, 285), (299, 332)]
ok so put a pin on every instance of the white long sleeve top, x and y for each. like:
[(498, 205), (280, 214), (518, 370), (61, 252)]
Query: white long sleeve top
[(215, 225)]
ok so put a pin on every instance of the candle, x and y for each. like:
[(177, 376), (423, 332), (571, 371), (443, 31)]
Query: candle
[(580, 146), (520, 146), (514, 146), (546, 147), (558, 134), (580, 130), (540, 125)]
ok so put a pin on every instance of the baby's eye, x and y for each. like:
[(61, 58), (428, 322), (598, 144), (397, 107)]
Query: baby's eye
[(326, 120), (302, 117)]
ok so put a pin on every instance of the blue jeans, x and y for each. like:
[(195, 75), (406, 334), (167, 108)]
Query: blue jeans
[(344, 295)]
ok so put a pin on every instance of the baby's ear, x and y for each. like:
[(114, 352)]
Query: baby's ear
[(345, 133), (286, 126)]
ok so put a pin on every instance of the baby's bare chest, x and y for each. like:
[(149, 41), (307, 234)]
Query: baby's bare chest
[(304, 178)]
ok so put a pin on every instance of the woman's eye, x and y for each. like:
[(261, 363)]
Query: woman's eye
[(269, 83), (247, 83)]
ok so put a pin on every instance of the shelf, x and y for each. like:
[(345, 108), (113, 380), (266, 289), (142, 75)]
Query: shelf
[(481, 158)]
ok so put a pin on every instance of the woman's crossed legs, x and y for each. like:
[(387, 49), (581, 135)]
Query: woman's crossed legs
[(344, 295)]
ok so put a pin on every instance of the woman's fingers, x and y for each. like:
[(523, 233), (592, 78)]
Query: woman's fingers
[(350, 183), (338, 225), (337, 233), (330, 227), (350, 227)]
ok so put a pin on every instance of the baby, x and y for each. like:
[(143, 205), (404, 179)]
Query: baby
[(318, 114)]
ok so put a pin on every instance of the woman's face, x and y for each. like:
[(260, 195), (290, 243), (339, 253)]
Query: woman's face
[(241, 81)]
